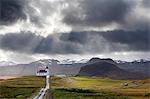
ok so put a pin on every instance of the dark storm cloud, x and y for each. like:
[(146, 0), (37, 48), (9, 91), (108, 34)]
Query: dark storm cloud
[(136, 40), (19, 41), (35, 11), (146, 3), (78, 14), (31, 43), (52, 45), (77, 37), (11, 11), (77, 42), (97, 12)]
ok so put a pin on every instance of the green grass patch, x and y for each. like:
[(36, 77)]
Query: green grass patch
[(20, 88), (16, 92), (147, 94), (74, 93)]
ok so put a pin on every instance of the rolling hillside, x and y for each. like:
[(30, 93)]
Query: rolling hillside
[(107, 68)]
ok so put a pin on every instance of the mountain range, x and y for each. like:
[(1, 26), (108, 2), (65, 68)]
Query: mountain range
[(93, 67), (6, 63)]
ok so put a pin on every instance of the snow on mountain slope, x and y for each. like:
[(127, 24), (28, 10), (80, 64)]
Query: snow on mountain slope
[(69, 61)]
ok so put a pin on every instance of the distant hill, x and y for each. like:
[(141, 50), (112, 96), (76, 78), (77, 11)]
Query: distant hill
[(6, 63), (107, 68), (98, 60), (32, 68), (136, 66)]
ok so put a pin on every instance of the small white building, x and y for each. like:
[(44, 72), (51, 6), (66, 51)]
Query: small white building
[(42, 72)]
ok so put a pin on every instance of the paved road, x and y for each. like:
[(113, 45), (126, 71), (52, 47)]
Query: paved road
[(41, 94)]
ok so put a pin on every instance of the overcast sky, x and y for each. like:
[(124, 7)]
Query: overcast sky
[(75, 29)]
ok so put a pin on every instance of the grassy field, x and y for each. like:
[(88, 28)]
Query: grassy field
[(135, 89), (77, 88), (20, 88)]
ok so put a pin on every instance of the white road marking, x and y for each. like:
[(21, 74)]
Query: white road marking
[(41, 94)]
